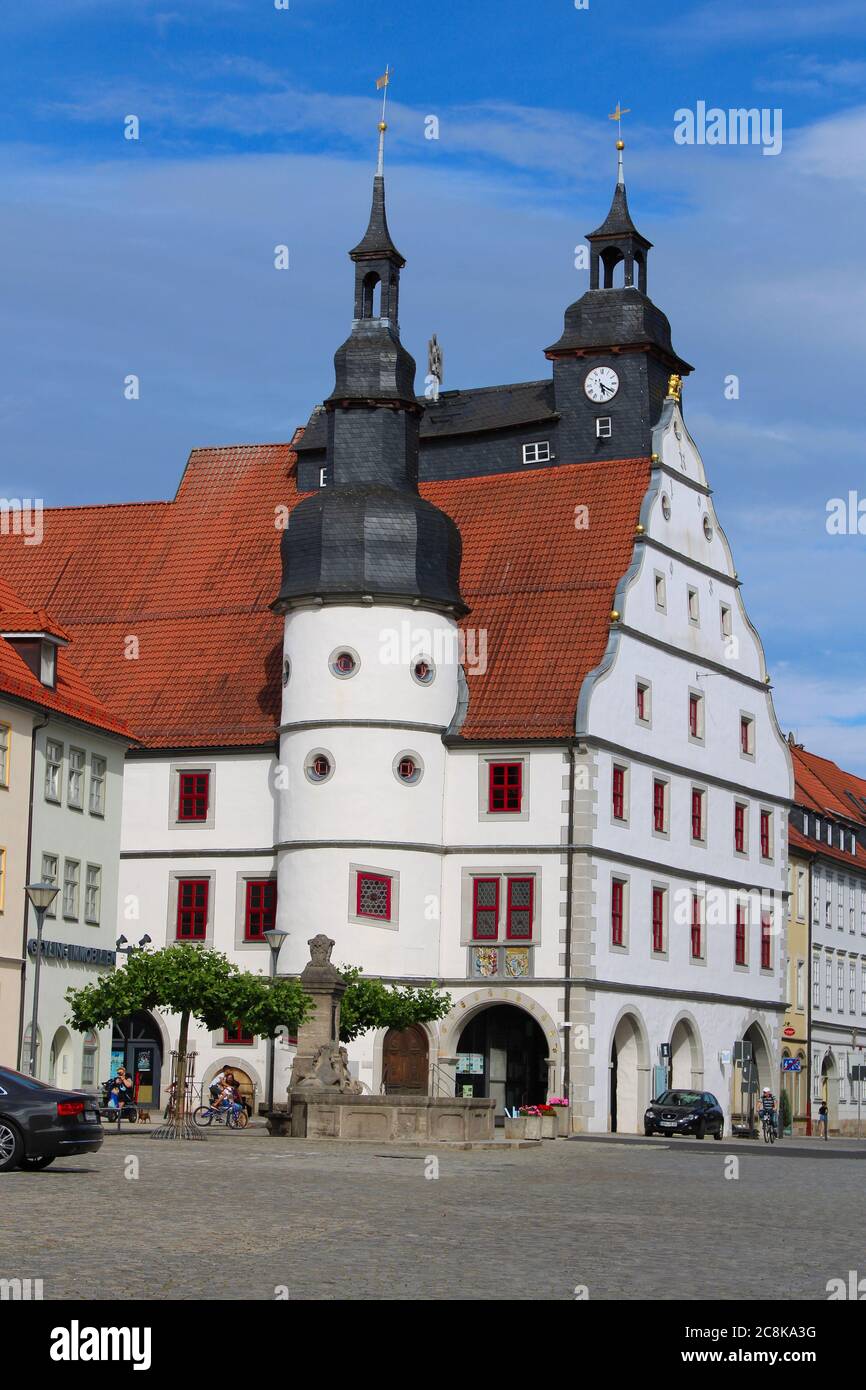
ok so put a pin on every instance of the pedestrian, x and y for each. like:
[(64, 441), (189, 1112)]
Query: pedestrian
[(823, 1118)]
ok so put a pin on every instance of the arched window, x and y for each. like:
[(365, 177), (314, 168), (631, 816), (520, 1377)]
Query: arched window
[(613, 268), (372, 301)]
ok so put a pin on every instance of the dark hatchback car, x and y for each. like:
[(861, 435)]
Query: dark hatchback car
[(685, 1112), (39, 1123)]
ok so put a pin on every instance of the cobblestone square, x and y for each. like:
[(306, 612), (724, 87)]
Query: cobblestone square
[(243, 1216)]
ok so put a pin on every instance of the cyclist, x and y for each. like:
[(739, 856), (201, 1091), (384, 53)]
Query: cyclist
[(767, 1106), (226, 1100)]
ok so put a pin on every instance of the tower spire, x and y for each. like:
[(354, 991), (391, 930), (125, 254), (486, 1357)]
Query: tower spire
[(382, 84), (617, 116)]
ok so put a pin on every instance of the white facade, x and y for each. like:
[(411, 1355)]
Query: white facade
[(77, 794), (838, 978), (334, 818)]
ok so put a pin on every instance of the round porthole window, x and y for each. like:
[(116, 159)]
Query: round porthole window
[(408, 768), (287, 671), (423, 670), (344, 662), (319, 765), (708, 528), (666, 506)]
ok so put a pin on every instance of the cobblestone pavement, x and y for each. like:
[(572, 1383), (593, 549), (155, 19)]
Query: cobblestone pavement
[(241, 1215)]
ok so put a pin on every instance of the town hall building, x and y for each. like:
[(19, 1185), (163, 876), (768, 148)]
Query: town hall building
[(466, 682)]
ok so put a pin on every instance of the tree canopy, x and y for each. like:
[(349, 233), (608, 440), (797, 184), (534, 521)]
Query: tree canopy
[(371, 1004)]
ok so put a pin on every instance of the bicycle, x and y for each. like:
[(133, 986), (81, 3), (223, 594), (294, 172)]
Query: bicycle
[(206, 1115), (768, 1125)]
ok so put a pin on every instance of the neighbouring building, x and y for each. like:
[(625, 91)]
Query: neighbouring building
[(501, 721), (828, 829), (61, 775)]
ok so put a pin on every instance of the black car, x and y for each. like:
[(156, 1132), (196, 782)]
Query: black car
[(39, 1123), (685, 1112)]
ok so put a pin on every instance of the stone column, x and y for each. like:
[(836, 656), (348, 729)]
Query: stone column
[(325, 985)]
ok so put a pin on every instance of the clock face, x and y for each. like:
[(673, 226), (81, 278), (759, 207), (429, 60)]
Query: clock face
[(601, 384)]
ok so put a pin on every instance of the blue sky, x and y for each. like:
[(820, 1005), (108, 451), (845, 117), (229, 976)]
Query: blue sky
[(155, 256)]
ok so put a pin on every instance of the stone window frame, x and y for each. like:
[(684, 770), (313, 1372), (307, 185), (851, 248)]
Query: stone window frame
[(393, 922), (242, 878), (469, 873), (503, 755), (771, 829), (743, 966), (174, 878), (54, 762), (703, 791), (658, 885), (700, 960), (700, 738), (174, 771), (692, 592), (617, 765), (646, 683), (621, 948), (747, 716), (666, 781), (744, 852), (660, 584)]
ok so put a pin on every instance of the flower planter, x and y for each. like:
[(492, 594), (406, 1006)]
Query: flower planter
[(561, 1116), (548, 1126), (523, 1127)]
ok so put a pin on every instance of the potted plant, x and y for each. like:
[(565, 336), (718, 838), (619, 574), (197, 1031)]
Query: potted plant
[(559, 1105), (531, 1117)]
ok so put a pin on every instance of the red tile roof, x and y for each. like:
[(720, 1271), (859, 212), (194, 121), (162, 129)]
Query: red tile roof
[(821, 787), (187, 585), (72, 695)]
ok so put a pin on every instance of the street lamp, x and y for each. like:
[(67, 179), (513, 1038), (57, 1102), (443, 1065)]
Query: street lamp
[(275, 938), (41, 896)]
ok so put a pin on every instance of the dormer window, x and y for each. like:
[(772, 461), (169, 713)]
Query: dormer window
[(48, 664), (38, 651), (537, 453)]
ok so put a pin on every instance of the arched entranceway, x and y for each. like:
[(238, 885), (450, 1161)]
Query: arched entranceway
[(751, 1073), (61, 1060), (628, 1068), (405, 1061), (686, 1069), (136, 1044), (502, 1053)]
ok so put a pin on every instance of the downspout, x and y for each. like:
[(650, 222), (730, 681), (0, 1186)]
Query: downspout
[(35, 730), (569, 898), (810, 987)]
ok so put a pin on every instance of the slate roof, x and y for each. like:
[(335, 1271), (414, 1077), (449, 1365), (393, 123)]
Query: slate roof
[(464, 412), (72, 696), (188, 583)]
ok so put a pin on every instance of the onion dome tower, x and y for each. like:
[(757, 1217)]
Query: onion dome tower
[(368, 534)]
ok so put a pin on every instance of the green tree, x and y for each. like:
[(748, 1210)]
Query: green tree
[(785, 1114), (371, 1004), (194, 982)]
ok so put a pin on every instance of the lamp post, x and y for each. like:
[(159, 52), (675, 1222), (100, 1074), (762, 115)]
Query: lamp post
[(275, 938), (41, 896)]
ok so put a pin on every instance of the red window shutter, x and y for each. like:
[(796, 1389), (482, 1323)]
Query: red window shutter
[(618, 793), (658, 919), (193, 795), (659, 806), (696, 927), (485, 909), (374, 896), (518, 915), (192, 901), (740, 941), (765, 834), (641, 702), (765, 941), (744, 735), (739, 829), (693, 715), (505, 787), (616, 897), (697, 815), (261, 908)]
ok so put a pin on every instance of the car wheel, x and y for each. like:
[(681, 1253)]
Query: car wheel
[(11, 1146), (33, 1165), (720, 1132), (701, 1129), (648, 1132)]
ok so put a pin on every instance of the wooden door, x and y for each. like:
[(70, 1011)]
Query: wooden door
[(405, 1061)]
